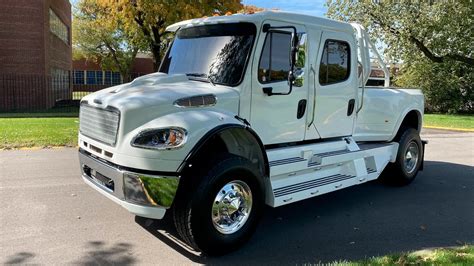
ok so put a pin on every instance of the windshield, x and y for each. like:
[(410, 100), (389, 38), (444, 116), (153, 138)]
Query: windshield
[(213, 53)]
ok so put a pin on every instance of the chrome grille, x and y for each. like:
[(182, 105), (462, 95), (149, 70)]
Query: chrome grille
[(99, 124)]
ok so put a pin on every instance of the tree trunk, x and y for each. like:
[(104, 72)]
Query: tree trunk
[(156, 51)]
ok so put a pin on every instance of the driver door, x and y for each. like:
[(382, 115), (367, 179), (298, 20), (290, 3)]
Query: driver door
[(278, 118)]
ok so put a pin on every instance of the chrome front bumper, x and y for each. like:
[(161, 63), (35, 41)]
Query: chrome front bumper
[(141, 194)]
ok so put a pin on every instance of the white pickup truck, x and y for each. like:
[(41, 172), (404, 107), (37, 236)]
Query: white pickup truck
[(247, 110)]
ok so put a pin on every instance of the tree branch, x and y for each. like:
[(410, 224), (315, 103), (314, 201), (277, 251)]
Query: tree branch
[(421, 46), (140, 21), (114, 56)]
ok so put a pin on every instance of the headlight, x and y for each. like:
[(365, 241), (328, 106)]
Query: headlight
[(160, 139)]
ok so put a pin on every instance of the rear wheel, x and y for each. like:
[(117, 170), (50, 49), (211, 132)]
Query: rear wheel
[(409, 158), (220, 212)]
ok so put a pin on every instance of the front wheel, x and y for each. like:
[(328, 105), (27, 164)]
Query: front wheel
[(220, 212), (409, 159)]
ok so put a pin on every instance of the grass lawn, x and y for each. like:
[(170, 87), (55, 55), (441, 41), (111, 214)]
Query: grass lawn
[(77, 95), (53, 112), (58, 127), (449, 121), (38, 132), (442, 256)]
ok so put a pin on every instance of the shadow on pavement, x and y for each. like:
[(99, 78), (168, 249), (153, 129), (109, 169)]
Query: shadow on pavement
[(436, 210), (101, 254), (19, 258)]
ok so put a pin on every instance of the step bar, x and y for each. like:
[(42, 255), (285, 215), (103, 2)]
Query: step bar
[(307, 171)]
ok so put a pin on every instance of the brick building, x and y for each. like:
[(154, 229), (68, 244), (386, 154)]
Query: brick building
[(89, 75), (35, 53)]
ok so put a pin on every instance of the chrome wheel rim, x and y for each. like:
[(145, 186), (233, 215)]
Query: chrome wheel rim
[(231, 207), (411, 157)]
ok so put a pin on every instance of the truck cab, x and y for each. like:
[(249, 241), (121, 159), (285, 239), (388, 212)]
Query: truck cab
[(247, 110)]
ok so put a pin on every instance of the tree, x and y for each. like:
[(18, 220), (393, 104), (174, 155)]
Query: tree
[(431, 38), (100, 37), (150, 18), (251, 9)]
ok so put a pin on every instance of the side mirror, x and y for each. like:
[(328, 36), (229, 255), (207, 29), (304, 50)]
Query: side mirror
[(293, 52)]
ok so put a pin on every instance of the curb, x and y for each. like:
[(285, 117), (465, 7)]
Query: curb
[(37, 148), (450, 128)]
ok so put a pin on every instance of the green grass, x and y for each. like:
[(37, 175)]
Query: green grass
[(442, 256), (58, 127), (53, 112), (449, 121), (77, 95), (38, 132)]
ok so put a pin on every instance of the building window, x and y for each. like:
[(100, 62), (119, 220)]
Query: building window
[(335, 62), (116, 78), (108, 78), (57, 27), (90, 78), (112, 78), (59, 79), (94, 77), (78, 77), (275, 59), (99, 76)]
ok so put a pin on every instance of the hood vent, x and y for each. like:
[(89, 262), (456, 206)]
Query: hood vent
[(197, 101)]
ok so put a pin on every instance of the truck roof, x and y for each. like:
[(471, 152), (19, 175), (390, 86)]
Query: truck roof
[(259, 17)]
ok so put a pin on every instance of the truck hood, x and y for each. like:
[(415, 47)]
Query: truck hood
[(153, 95), (153, 89)]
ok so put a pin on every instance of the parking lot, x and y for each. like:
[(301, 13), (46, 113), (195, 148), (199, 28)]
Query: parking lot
[(49, 216)]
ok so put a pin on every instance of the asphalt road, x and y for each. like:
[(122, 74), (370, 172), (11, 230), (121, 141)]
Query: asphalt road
[(49, 216)]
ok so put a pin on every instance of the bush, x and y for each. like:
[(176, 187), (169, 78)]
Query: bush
[(448, 86)]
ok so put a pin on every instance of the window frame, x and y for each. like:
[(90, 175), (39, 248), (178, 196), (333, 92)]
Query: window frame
[(261, 54), (349, 61), (54, 30)]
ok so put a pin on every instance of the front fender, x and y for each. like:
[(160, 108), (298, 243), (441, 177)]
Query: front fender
[(197, 122)]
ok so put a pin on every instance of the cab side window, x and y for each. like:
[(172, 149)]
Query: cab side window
[(335, 62), (275, 58)]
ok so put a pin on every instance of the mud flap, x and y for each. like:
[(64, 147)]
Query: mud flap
[(423, 143)]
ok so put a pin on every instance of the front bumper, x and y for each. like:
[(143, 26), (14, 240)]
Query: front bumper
[(141, 194)]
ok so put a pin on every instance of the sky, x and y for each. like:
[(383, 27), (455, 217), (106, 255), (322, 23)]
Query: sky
[(310, 7)]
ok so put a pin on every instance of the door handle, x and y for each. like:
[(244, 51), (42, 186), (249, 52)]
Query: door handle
[(350, 107), (301, 108), (268, 91)]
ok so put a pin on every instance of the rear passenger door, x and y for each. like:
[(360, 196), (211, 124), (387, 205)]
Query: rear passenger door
[(336, 85)]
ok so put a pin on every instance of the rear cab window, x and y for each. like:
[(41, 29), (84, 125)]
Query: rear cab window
[(335, 62)]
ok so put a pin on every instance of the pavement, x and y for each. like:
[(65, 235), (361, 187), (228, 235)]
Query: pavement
[(49, 216)]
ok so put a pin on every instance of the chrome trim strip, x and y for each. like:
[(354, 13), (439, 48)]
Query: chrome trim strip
[(333, 153), (286, 161), (283, 191)]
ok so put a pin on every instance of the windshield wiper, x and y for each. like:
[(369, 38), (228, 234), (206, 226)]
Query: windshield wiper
[(201, 75)]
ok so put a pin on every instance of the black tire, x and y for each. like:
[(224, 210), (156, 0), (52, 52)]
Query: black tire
[(192, 209), (400, 173)]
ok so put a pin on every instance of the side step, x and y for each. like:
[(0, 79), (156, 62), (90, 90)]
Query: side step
[(298, 187), (298, 173)]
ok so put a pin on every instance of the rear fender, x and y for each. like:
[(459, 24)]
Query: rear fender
[(401, 118)]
